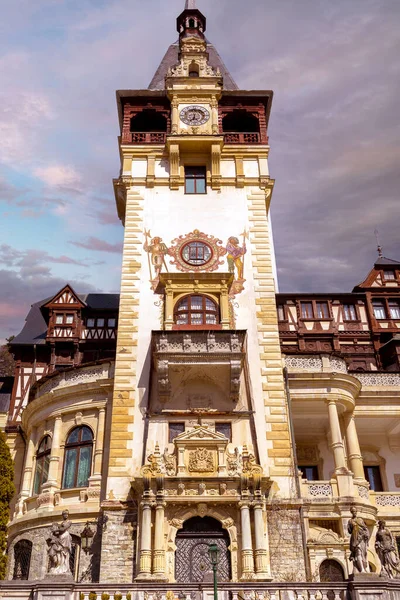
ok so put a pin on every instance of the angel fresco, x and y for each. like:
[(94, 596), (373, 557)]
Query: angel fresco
[(156, 250), (236, 253)]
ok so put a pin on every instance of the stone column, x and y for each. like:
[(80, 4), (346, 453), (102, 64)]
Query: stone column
[(214, 119), (247, 547), (145, 541), (336, 437), (354, 452), (28, 471), (52, 479), (174, 116), (95, 479), (261, 557), (159, 550)]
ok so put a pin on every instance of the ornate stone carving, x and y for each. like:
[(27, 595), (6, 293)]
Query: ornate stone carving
[(178, 523), (378, 379), (320, 489), (170, 463), (250, 467), (201, 461), (228, 523), (307, 454), (363, 492), (155, 463), (387, 499), (303, 363), (202, 509), (213, 243), (59, 547), (385, 546), (234, 463), (359, 537)]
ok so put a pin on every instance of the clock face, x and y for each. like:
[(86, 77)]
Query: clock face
[(194, 115)]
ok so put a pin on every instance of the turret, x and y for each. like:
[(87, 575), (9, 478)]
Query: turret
[(191, 22)]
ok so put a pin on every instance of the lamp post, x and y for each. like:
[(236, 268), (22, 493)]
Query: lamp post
[(213, 552), (87, 535)]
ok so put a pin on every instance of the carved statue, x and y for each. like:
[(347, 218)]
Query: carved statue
[(359, 537), (153, 467), (170, 463), (60, 544), (233, 462), (385, 547)]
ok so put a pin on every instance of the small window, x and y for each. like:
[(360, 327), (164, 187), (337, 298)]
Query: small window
[(225, 429), (100, 322), (78, 458), (111, 322), (309, 472), (349, 311), (90, 322), (175, 429), (196, 253), (59, 319), (22, 559), (281, 313), (42, 464), (373, 476), (322, 310), (196, 310), (69, 319), (394, 309), (379, 309), (192, 24), (388, 275), (306, 310), (195, 180)]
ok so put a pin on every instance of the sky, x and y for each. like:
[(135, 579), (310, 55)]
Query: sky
[(334, 133)]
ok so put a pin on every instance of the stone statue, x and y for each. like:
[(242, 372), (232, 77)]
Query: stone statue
[(386, 550), (359, 537), (60, 544)]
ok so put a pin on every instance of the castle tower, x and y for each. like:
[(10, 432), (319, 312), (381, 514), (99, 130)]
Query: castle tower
[(199, 425)]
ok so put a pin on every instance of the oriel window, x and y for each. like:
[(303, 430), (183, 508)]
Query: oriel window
[(196, 310), (78, 458), (195, 180)]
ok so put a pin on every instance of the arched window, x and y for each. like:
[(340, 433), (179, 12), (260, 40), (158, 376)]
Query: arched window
[(330, 570), (192, 24), (148, 120), (42, 464), (196, 310), (240, 121), (194, 70), (22, 559), (78, 458)]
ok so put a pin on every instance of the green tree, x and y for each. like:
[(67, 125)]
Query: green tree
[(7, 364), (7, 490)]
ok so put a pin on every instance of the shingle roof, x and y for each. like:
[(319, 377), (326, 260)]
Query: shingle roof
[(171, 58), (35, 329)]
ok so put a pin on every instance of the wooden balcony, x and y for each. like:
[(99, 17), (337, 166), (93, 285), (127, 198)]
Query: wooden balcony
[(148, 137), (243, 138)]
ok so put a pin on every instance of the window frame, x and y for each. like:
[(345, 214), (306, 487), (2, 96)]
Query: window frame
[(201, 175), (356, 312), (224, 423), (382, 302), (385, 271), (170, 423), (379, 471), (391, 302), (64, 316), (40, 457), (204, 311), (79, 444), (315, 469), (314, 310)]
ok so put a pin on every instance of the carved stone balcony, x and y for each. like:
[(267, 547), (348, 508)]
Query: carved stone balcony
[(242, 138), (148, 137), (212, 356)]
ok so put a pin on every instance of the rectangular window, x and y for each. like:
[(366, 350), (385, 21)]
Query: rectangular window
[(69, 319), (394, 309), (111, 322), (59, 319), (195, 180), (306, 310), (281, 312), (373, 476), (389, 275), (175, 429), (100, 322), (90, 322), (225, 429), (379, 309), (309, 472), (322, 310), (349, 311)]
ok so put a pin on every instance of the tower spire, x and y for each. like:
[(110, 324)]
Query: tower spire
[(191, 22), (379, 247), (190, 5)]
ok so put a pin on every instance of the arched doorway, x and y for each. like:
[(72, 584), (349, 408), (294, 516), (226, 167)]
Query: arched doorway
[(330, 570), (192, 541)]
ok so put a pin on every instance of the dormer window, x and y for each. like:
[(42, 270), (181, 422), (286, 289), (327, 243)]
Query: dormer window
[(64, 319)]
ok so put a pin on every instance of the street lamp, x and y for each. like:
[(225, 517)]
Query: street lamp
[(87, 536), (213, 552)]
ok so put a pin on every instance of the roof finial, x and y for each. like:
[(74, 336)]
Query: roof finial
[(379, 247), (190, 5)]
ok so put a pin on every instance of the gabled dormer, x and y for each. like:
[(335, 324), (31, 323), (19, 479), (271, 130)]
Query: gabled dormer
[(385, 274), (63, 315)]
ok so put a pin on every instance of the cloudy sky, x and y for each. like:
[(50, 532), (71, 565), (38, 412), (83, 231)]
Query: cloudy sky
[(334, 133)]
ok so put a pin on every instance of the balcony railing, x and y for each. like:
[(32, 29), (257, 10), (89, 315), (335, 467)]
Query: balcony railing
[(319, 489), (242, 138), (386, 500), (148, 137)]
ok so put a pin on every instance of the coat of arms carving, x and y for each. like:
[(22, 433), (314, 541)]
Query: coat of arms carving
[(201, 461)]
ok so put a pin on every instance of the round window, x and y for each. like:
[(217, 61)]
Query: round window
[(196, 253)]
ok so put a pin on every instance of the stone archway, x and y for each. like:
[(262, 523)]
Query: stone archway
[(192, 563), (331, 570)]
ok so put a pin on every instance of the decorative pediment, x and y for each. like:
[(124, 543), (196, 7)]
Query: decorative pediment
[(201, 434), (65, 297), (324, 537)]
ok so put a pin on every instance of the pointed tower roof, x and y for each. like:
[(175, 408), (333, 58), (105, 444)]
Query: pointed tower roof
[(190, 5)]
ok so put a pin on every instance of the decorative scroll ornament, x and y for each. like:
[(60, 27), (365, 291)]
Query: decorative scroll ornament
[(170, 463), (250, 467), (201, 461), (213, 251), (234, 463), (160, 464)]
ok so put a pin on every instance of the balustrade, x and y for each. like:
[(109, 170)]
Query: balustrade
[(137, 137), (242, 138)]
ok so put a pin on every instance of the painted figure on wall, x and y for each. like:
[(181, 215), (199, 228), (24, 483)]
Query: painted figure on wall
[(236, 253), (157, 250), (385, 547), (359, 537), (60, 545)]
